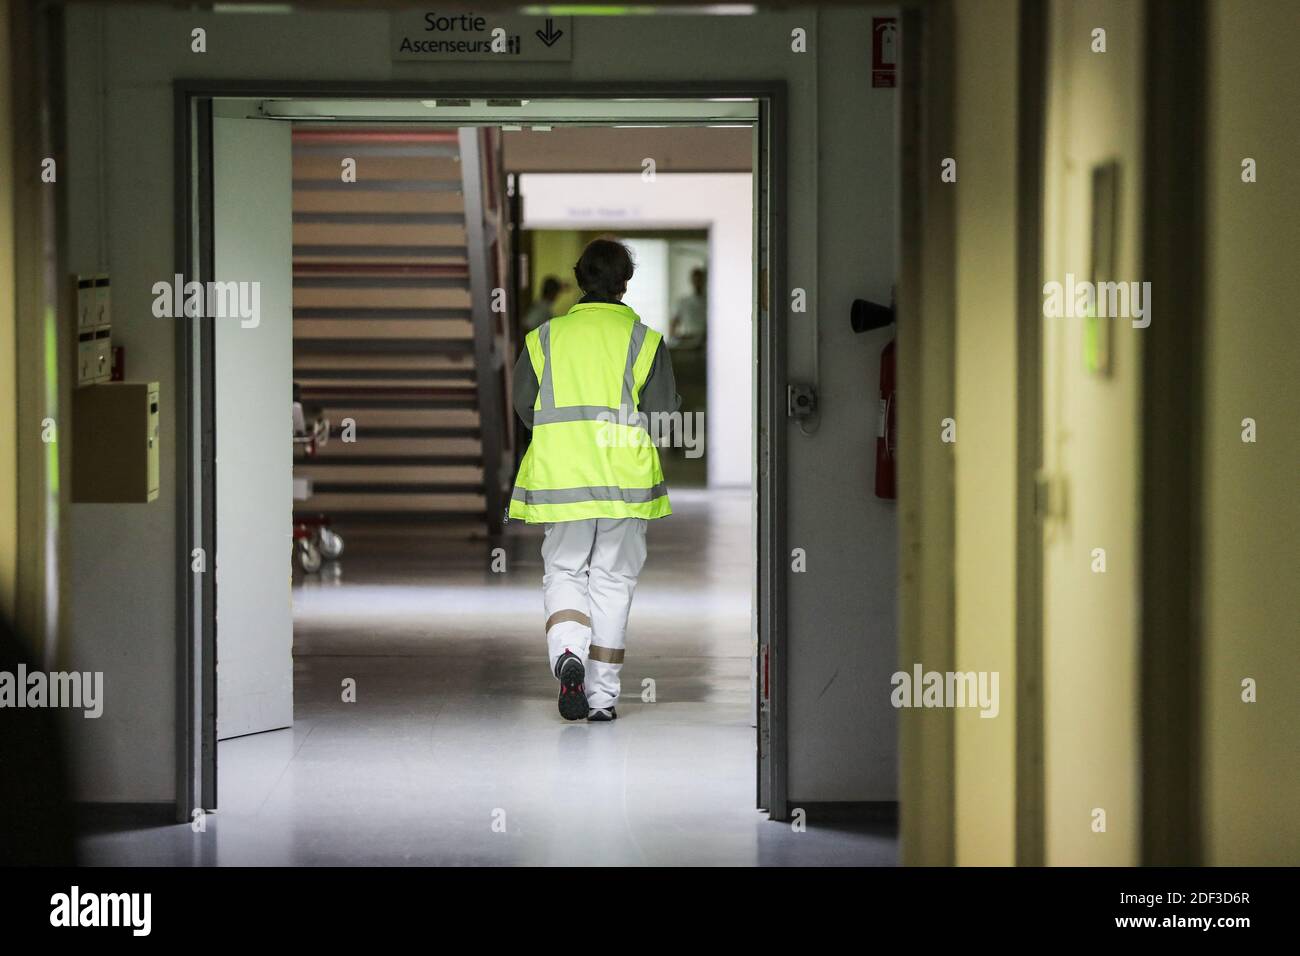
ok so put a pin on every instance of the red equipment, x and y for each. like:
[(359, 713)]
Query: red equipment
[(887, 428)]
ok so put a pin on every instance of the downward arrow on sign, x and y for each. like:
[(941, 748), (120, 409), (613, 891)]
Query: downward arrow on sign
[(551, 35)]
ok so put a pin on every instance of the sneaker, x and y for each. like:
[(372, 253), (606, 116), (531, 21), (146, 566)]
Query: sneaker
[(601, 714), (573, 691)]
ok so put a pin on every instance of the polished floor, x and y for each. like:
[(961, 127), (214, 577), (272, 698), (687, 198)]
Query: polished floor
[(453, 752)]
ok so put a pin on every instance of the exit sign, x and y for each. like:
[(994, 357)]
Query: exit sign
[(440, 36)]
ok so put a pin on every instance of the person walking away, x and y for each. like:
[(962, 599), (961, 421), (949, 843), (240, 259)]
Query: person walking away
[(586, 384)]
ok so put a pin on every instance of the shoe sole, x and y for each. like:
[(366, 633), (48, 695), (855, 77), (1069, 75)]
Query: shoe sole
[(573, 692), (603, 720)]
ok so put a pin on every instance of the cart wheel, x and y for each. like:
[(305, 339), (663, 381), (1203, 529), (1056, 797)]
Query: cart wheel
[(309, 556), (331, 543)]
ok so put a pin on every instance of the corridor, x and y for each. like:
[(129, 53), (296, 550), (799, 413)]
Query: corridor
[(453, 754)]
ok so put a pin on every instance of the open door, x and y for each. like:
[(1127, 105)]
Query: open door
[(252, 183)]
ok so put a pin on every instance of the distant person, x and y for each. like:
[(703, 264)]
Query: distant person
[(544, 307), (688, 330), (591, 475), (691, 317)]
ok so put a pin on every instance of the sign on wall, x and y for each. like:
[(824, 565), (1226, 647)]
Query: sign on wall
[(884, 51), (443, 36)]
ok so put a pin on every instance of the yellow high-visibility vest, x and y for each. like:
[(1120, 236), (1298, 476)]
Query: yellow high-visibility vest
[(591, 454)]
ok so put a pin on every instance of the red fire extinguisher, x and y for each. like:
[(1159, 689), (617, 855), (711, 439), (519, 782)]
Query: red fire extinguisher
[(886, 427)]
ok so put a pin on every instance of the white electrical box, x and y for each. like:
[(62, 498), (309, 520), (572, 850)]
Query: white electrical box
[(94, 329)]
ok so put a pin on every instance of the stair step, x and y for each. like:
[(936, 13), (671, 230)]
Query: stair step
[(305, 375), (393, 314), (439, 330), (421, 404), (403, 135), (379, 235), (423, 461), (396, 517), (369, 251), (396, 488), (336, 184), (407, 166), (382, 218), (379, 281), (389, 346), (335, 503), (386, 275), (417, 431), (360, 200)]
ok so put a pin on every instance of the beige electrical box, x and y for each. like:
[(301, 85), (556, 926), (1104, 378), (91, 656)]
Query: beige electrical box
[(115, 442)]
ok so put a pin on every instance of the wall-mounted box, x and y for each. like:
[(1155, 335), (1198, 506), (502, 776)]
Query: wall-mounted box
[(94, 357), (85, 360), (103, 302), (94, 302), (115, 442), (94, 329), (103, 355), (86, 301)]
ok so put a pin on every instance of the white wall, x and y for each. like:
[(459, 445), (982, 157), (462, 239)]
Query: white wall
[(723, 204), (840, 219), (647, 291)]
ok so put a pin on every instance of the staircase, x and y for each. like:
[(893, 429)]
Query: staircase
[(393, 327)]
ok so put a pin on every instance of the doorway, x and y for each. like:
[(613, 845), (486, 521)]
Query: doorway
[(199, 253)]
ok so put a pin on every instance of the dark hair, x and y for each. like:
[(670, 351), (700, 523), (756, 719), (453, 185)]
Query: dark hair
[(604, 268), (550, 287)]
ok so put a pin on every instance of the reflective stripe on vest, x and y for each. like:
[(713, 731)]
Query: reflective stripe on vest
[(568, 496)]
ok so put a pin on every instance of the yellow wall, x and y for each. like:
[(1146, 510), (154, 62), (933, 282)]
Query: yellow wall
[(554, 253), (1251, 752), (985, 414), (1092, 436), (1091, 451), (8, 343)]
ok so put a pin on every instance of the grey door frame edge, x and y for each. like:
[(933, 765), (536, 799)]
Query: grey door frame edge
[(1031, 133), (195, 594)]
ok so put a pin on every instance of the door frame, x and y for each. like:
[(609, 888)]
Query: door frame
[(1175, 193), (196, 745), (1031, 144), (927, 374)]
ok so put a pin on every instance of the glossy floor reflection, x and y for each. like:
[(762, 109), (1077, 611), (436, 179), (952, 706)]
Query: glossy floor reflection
[(453, 752)]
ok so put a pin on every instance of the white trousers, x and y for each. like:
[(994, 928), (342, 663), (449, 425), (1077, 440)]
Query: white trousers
[(591, 569)]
